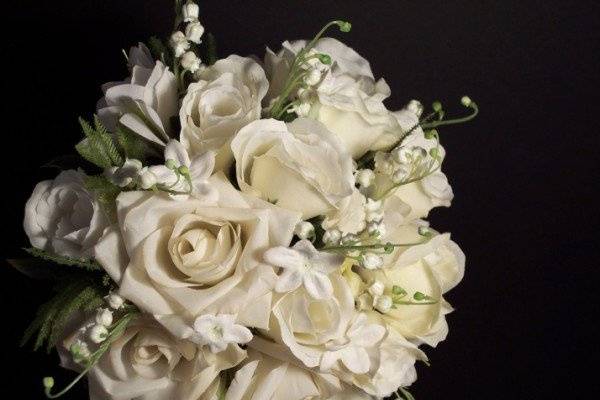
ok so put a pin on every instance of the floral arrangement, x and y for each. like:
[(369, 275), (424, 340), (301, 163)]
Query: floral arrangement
[(240, 229)]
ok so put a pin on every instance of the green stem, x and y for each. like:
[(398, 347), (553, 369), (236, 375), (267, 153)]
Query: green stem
[(455, 121)]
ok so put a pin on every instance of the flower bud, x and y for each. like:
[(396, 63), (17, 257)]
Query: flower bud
[(384, 304), (416, 107), (104, 317), (365, 177), (350, 239), (179, 43), (114, 301), (372, 261), (190, 11), (376, 229), (190, 61), (332, 237), (48, 382), (313, 78), (194, 32), (147, 179), (304, 230), (401, 174), (98, 334), (466, 101), (376, 289)]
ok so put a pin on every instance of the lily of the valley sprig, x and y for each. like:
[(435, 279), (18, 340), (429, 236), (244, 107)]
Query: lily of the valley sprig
[(243, 229)]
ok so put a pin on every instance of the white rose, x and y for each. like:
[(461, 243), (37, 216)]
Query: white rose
[(182, 258), (432, 268), (227, 97), (305, 324), (421, 196), (274, 375), (300, 166), (147, 362), (62, 217), (348, 101)]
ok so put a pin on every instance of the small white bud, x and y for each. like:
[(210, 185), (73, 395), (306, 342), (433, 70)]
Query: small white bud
[(401, 174), (466, 101), (350, 239), (80, 351), (376, 229), (373, 205), (104, 317), (179, 43), (190, 11), (365, 177), (402, 155), (194, 32), (332, 237), (416, 107), (304, 230), (384, 304), (147, 178), (114, 301), (374, 216), (376, 289), (302, 109), (313, 78), (372, 261), (190, 61), (304, 95), (98, 334), (364, 302)]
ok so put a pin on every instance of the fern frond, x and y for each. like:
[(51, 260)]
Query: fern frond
[(98, 146), (106, 194)]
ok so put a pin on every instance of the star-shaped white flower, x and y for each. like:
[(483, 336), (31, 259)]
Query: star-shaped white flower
[(219, 331), (200, 169), (304, 265), (353, 353)]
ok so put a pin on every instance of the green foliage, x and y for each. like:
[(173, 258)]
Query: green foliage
[(62, 260), (106, 194), (134, 146), (98, 147), (76, 293), (159, 50), (211, 49)]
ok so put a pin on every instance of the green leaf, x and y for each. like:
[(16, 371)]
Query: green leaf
[(106, 194), (134, 146), (211, 49), (159, 50), (98, 146), (85, 264), (53, 315)]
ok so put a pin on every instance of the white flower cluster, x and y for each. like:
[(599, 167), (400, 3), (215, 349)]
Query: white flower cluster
[(277, 233)]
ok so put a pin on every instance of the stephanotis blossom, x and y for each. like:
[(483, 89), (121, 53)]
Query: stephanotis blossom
[(199, 169), (304, 266), (351, 352), (219, 331)]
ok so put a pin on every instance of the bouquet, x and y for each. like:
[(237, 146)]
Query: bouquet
[(243, 229)]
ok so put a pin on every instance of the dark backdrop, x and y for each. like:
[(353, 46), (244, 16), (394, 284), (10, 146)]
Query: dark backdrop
[(524, 173)]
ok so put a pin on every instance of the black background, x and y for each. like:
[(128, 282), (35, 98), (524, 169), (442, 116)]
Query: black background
[(524, 173)]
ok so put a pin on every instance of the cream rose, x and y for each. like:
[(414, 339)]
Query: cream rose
[(300, 166), (432, 268), (305, 325), (182, 258), (274, 375), (227, 97), (147, 362), (418, 197), (348, 100), (145, 102), (62, 217)]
